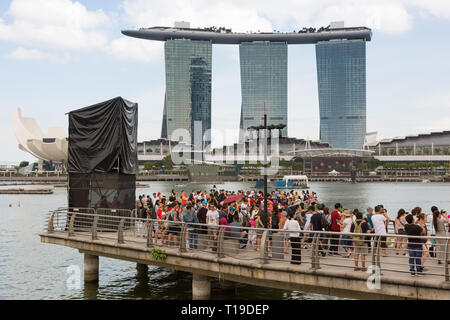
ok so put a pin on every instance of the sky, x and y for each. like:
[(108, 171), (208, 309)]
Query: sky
[(61, 55)]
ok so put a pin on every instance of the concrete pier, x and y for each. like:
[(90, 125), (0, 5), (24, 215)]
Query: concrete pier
[(142, 270), (228, 286), (90, 268), (201, 287)]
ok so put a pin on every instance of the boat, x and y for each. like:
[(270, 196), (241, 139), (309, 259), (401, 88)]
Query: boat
[(142, 185), (179, 185), (288, 182)]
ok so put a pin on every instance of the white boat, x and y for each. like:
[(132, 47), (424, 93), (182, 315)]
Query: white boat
[(292, 182)]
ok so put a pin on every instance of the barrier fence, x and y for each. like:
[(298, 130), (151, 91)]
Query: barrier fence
[(317, 249)]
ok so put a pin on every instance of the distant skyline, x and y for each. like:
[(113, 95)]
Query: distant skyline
[(60, 55)]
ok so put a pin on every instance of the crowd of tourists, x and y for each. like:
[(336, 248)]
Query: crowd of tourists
[(296, 213)]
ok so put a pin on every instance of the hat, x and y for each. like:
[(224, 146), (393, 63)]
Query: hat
[(231, 208), (369, 208), (204, 202), (346, 213)]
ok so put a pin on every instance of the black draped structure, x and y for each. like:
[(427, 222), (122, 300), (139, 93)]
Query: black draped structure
[(102, 161)]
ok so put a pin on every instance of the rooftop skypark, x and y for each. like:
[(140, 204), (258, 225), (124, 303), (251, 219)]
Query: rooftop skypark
[(223, 35)]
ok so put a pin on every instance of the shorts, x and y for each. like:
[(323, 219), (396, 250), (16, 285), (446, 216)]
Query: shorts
[(212, 230), (383, 242), (259, 232), (363, 250), (401, 231)]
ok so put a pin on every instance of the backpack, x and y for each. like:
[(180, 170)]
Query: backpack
[(153, 214), (358, 241), (188, 216), (325, 219)]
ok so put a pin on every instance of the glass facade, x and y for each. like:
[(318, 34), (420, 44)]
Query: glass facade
[(341, 78), (188, 86), (263, 84)]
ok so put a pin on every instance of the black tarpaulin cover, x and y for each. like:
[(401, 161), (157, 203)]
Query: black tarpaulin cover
[(103, 137)]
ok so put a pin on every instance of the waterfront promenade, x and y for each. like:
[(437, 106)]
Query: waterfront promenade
[(133, 239)]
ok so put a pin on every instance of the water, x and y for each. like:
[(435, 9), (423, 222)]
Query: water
[(30, 269)]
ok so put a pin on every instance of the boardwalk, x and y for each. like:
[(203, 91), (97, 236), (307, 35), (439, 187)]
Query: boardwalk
[(331, 275)]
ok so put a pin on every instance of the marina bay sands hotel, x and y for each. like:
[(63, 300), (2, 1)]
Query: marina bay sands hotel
[(341, 75)]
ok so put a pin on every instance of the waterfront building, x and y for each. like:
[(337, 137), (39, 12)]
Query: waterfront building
[(341, 78), (188, 87), (263, 84)]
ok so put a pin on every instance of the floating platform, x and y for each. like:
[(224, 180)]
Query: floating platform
[(142, 185), (23, 191)]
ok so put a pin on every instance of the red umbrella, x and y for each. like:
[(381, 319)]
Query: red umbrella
[(233, 198)]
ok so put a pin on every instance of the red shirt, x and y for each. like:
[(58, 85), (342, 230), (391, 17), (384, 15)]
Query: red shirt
[(335, 218)]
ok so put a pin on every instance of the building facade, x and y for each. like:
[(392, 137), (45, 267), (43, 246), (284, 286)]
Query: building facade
[(263, 84), (188, 87), (341, 78)]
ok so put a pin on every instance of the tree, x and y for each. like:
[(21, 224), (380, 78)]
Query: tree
[(167, 162)]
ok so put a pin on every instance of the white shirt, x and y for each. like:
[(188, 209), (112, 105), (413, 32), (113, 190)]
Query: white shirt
[(378, 221), (432, 232), (348, 224), (308, 220), (212, 216), (292, 225)]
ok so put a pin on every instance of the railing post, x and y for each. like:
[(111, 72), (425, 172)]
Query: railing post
[(378, 260), (182, 247), (221, 236), (374, 248), (120, 231), (71, 224), (94, 228), (264, 250), (315, 263), (50, 227), (149, 234), (446, 262)]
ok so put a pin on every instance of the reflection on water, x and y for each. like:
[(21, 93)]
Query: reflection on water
[(30, 269)]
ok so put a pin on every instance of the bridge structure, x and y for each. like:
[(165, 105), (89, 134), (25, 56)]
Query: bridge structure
[(217, 253)]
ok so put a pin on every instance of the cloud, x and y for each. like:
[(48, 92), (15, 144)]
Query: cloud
[(56, 24), (22, 54), (127, 48)]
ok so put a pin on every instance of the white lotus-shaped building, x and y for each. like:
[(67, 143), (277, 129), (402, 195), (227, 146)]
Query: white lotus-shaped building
[(49, 147)]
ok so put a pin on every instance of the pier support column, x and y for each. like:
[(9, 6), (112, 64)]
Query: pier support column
[(142, 270), (90, 268), (228, 286), (201, 287)]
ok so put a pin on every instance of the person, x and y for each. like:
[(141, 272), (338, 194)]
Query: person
[(399, 228), (309, 213), (189, 217), (174, 226), (425, 242), (360, 243), (326, 226), (245, 232), (262, 221), (414, 245), (316, 225), (293, 226), (235, 233), (380, 222), (335, 227), (369, 217), (212, 219), (439, 218), (346, 242)]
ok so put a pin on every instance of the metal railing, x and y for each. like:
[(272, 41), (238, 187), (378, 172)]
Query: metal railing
[(317, 249)]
